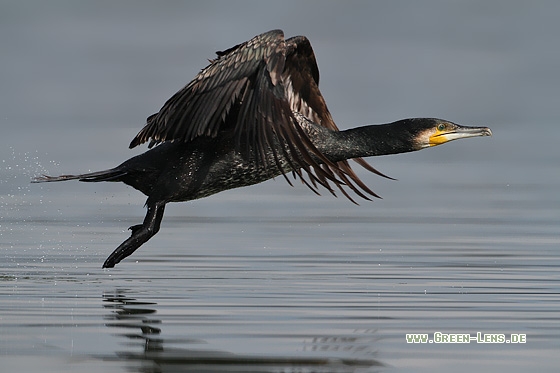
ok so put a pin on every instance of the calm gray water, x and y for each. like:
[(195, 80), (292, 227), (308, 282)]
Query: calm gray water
[(272, 278)]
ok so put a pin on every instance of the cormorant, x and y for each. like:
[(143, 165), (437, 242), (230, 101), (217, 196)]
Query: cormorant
[(255, 112)]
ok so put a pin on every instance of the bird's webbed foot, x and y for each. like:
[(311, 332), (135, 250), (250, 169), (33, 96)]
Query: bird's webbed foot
[(140, 234)]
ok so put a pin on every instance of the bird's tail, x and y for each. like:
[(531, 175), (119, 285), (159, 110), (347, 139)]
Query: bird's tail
[(113, 174)]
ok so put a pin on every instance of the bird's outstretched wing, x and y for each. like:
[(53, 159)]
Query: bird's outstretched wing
[(248, 73), (253, 89)]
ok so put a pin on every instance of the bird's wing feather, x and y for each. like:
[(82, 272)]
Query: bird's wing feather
[(201, 107), (267, 79), (301, 78)]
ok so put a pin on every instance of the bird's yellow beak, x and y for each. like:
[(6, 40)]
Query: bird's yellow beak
[(446, 133)]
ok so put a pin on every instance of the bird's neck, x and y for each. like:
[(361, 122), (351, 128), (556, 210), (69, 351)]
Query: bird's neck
[(367, 141)]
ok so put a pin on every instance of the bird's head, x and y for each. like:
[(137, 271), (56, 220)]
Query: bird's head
[(431, 132)]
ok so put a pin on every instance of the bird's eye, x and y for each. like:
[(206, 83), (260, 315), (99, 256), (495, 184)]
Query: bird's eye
[(441, 127)]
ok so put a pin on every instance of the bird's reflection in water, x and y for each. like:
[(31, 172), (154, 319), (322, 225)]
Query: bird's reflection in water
[(140, 327), (133, 316)]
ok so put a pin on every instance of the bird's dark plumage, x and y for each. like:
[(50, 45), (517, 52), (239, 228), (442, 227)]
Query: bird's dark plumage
[(252, 91), (254, 113)]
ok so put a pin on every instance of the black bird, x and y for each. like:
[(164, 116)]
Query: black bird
[(255, 112)]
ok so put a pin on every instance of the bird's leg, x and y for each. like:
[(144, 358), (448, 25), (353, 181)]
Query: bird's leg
[(140, 234)]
